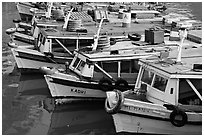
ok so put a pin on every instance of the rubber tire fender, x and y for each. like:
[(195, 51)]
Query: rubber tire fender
[(118, 105), (175, 113), (105, 84), (121, 84)]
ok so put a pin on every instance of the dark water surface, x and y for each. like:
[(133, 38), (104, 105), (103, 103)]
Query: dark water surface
[(27, 106)]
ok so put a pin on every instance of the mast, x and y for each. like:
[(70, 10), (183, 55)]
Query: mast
[(48, 14), (182, 35), (67, 19), (97, 36)]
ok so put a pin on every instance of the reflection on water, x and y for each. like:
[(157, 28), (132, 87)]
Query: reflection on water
[(37, 113), (79, 118)]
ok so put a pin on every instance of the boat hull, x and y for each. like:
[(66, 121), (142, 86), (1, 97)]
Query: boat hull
[(139, 124), (143, 117), (32, 59), (24, 11), (70, 87)]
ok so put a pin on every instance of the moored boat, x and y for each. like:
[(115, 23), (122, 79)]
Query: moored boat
[(56, 42), (24, 9), (92, 73), (167, 98)]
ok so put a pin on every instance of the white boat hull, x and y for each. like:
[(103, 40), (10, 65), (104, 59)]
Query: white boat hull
[(24, 11), (71, 87), (32, 59), (147, 118), (140, 124)]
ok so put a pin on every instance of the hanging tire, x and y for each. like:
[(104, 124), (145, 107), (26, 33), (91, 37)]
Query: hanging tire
[(178, 123), (118, 105), (134, 37), (121, 84), (105, 84)]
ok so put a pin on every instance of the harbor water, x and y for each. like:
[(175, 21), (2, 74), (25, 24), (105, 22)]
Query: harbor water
[(29, 109)]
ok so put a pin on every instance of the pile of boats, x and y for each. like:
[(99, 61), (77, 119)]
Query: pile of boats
[(151, 82)]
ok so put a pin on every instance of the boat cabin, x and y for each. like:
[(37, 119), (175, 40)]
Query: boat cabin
[(51, 40), (169, 82), (110, 64)]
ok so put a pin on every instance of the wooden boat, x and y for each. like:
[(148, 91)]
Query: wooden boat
[(87, 23), (166, 98), (91, 73), (24, 9), (61, 43)]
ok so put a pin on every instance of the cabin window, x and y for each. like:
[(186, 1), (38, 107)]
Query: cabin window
[(40, 39), (56, 47), (160, 83), (81, 65), (147, 77), (125, 67), (39, 36), (171, 90), (109, 66), (43, 40), (187, 96), (130, 66), (76, 62)]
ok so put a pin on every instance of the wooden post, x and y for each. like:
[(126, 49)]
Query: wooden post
[(119, 69)]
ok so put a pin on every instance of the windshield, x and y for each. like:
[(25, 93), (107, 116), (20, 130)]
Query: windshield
[(147, 77)]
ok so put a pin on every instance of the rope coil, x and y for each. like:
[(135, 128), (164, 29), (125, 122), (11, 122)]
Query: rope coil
[(103, 41)]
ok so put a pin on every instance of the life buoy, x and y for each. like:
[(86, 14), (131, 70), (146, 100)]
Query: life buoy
[(134, 37), (118, 105), (178, 123), (105, 84), (121, 84), (10, 31)]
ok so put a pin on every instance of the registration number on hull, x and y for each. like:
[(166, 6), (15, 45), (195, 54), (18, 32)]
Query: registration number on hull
[(79, 91)]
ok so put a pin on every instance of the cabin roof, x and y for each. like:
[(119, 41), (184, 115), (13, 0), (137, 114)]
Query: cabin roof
[(46, 22), (124, 50), (145, 12), (111, 29), (190, 56)]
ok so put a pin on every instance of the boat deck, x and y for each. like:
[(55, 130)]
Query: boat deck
[(135, 96), (111, 29), (190, 56)]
